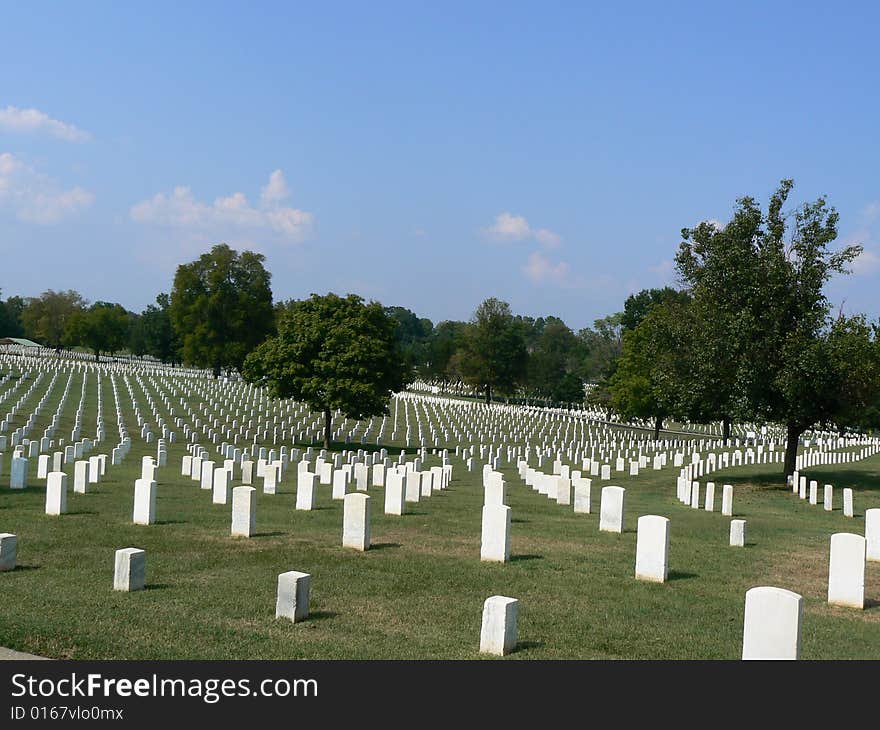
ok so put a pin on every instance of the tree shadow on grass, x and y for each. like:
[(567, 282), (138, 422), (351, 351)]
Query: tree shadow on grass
[(680, 575), (156, 586), (384, 545), (268, 534), (25, 568), (171, 522), (518, 558)]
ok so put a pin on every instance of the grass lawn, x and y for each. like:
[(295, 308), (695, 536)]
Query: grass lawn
[(418, 592)]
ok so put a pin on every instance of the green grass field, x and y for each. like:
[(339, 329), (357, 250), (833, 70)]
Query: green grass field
[(418, 592)]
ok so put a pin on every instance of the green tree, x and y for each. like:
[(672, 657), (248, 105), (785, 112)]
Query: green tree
[(651, 373), (446, 338), (637, 306), (554, 356), (721, 269), (493, 354), (221, 307), (10, 317), (103, 327), (45, 317), (414, 335), (332, 353), (160, 339), (777, 312)]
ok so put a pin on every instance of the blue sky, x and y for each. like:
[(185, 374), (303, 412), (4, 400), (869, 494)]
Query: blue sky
[(427, 155)]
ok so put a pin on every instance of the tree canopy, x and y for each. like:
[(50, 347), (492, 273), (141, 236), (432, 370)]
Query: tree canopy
[(221, 307), (493, 354), (103, 327), (45, 317), (334, 353)]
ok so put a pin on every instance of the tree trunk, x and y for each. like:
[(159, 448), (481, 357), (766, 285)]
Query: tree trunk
[(216, 370), (328, 420), (725, 426), (793, 434), (97, 356), (658, 424), (488, 394)]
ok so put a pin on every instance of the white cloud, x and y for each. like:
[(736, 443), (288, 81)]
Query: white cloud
[(547, 238), (509, 227), (181, 209), (539, 269), (13, 119), (35, 197)]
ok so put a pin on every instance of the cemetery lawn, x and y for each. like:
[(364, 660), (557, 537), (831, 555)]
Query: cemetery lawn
[(418, 592)]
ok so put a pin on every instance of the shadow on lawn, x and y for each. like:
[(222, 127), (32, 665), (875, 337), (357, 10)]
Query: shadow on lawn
[(384, 545), (518, 558), (680, 575)]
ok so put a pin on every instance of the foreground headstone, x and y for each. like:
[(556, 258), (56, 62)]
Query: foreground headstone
[(8, 551), (130, 570), (495, 538), (611, 509), (356, 521), (56, 493), (244, 511), (846, 570), (144, 502), (652, 548), (498, 630), (772, 624), (292, 599), (738, 533)]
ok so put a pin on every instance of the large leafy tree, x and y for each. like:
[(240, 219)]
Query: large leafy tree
[(221, 307), (333, 353), (769, 273), (652, 372), (721, 270), (103, 327), (45, 317), (493, 354)]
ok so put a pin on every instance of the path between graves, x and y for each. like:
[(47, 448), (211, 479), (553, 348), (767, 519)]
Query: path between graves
[(12, 654)]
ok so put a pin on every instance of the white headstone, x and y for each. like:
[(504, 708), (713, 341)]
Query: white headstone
[(130, 571), (772, 624), (244, 511), (611, 507), (652, 548), (56, 493), (846, 570), (292, 600), (356, 521), (498, 630), (495, 538)]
